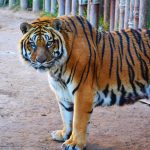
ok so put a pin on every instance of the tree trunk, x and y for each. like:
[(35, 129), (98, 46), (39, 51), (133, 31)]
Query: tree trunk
[(106, 11), (112, 14), (74, 7), (117, 15), (36, 5), (136, 13), (47, 6), (61, 8), (127, 12), (68, 7), (24, 4), (122, 12), (131, 23), (53, 6), (12, 3), (143, 14)]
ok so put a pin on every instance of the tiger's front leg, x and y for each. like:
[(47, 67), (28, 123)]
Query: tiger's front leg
[(83, 106), (66, 111)]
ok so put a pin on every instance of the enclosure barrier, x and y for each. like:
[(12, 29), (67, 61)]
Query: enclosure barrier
[(116, 14)]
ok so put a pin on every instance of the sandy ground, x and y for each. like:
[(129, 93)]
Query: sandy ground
[(29, 111)]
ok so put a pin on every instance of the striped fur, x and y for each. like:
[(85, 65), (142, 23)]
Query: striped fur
[(87, 68)]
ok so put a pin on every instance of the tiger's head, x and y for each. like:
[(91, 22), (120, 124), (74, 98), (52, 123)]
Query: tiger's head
[(43, 45)]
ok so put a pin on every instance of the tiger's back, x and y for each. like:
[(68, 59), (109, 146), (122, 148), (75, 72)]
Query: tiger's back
[(115, 64)]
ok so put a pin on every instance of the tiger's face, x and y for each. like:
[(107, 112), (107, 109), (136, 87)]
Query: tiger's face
[(42, 45)]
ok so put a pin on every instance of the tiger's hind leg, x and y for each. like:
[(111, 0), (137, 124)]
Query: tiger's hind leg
[(83, 107), (66, 111)]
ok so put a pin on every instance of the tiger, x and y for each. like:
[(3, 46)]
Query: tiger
[(86, 68)]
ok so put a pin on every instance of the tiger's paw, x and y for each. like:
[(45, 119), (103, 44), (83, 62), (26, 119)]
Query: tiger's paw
[(72, 145), (60, 135)]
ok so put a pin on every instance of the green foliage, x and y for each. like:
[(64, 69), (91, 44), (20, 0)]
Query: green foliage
[(48, 14), (103, 25)]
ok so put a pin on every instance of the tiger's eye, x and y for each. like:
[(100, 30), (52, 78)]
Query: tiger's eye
[(49, 44), (32, 44)]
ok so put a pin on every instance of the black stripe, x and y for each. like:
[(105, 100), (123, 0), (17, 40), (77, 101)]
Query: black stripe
[(121, 41), (73, 92), (112, 39), (90, 29), (143, 65), (103, 50), (70, 109), (141, 85), (105, 91), (128, 45), (123, 94), (73, 25), (120, 57), (111, 57), (89, 45), (90, 111), (74, 71), (68, 80), (118, 77), (131, 76), (113, 98)]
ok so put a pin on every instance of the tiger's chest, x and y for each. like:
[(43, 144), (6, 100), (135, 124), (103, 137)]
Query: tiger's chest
[(60, 88)]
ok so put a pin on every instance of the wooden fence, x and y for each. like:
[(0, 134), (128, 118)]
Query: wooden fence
[(114, 14)]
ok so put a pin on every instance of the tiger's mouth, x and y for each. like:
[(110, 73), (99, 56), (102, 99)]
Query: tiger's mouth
[(42, 66)]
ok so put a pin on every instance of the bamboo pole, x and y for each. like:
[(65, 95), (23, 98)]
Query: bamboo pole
[(36, 5), (136, 13), (61, 9), (47, 5), (24, 4), (68, 7), (122, 12), (106, 11), (82, 6), (143, 14), (117, 15), (112, 14), (94, 13), (127, 12), (12, 3), (74, 7), (53, 6), (131, 16)]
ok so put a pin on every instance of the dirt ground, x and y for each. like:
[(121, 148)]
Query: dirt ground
[(29, 111)]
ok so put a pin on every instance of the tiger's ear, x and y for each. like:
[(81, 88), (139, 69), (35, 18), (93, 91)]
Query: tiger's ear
[(57, 24), (25, 27)]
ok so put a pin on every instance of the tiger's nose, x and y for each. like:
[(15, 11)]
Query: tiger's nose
[(41, 59)]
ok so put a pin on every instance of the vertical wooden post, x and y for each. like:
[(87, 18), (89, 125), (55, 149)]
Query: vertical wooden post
[(127, 12), (53, 6), (82, 6), (112, 14), (36, 5), (61, 9), (106, 11), (12, 3), (122, 12), (131, 23), (136, 13), (74, 7), (143, 13), (117, 15), (24, 4), (94, 13), (68, 7), (88, 9), (47, 5)]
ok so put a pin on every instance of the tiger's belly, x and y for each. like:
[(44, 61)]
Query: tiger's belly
[(109, 96)]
